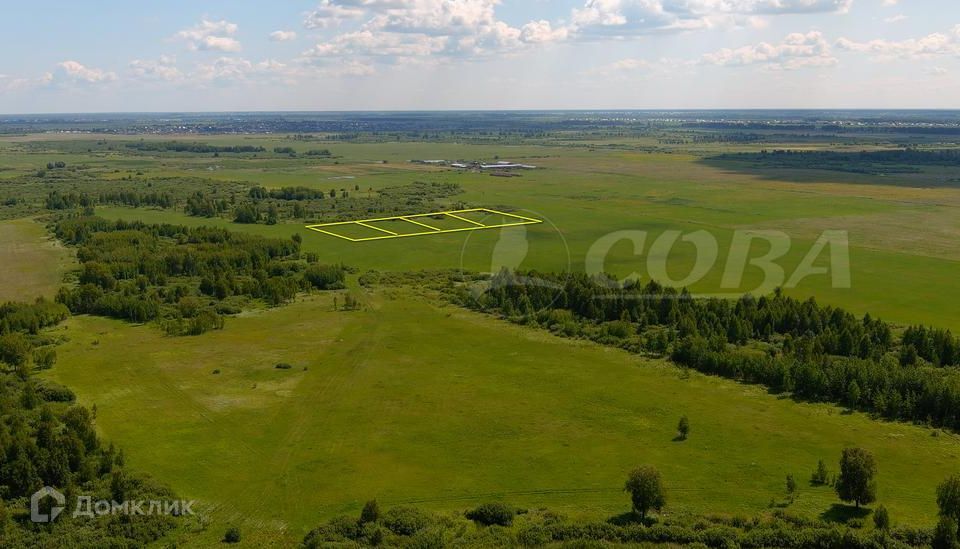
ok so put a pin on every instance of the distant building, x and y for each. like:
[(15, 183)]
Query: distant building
[(507, 166)]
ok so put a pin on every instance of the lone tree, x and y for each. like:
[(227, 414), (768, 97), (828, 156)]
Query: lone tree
[(855, 483), (646, 490), (683, 428), (370, 513), (820, 476)]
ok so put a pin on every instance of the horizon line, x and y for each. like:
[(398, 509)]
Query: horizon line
[(475, 110)]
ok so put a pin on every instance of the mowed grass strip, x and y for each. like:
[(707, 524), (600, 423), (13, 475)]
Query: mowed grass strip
[(413, 403)]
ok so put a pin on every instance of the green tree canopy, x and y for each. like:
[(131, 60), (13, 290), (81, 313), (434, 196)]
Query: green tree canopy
[(646, 490)]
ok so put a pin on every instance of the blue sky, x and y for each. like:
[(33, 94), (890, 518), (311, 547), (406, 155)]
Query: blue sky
[(478, 54)]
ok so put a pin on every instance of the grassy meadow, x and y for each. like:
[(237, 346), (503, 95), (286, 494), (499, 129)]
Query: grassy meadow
[(32, 264), (375, 407), (904, 241), (409, 401)]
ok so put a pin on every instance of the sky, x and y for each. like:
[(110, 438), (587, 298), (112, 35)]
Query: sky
[(323, 55)]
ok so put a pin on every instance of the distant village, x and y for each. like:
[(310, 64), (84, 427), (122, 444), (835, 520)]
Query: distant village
[(500, 168)]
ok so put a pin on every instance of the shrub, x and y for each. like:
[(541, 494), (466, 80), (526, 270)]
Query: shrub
[(489, 514), (232, 535), (54, 392), (371, 534), (405, 521), (534, 535), (283, 366), (344, 527), (881, 518), (339, 529)]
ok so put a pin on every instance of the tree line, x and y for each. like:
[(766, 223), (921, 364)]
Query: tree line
[(813, 352), (71, 200), (502, 525), (202, 148), (906, 160)]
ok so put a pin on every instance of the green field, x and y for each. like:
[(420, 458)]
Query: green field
[(32, 262), (411, 401), (904, 245), (496, 412)]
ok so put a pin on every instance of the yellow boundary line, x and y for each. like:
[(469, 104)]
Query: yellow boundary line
[(421, 224), (362, 224), (325, 227), (455, 216)]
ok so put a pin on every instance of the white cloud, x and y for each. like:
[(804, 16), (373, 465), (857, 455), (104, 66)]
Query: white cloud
[(11, 84), (355, 68), (72, 71), (796, 51), (162, 69), (629, 17), (399, 30), (437, 17), (211, 36), (938, 71), (240, 69), (540, 32), (895, 18), (927, 46), (369, 43), (283, 36), (890, 2), (330, 14), (621, 68)]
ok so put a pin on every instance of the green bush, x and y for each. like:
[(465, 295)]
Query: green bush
[(405, 521), (533, 535), (489, 514), (50, 391), (232, 535)]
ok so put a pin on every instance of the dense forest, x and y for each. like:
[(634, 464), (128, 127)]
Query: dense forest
[(245, 204), (47, 440), (200, 148), (814, 352), (73, 200), (186, 278), (866, 162)]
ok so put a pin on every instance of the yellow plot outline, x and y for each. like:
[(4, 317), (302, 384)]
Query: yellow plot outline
[(455, 214)]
